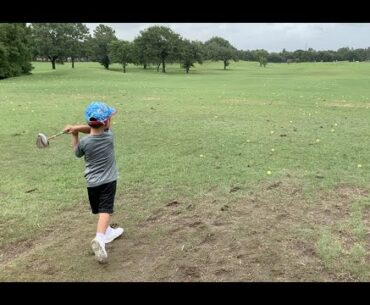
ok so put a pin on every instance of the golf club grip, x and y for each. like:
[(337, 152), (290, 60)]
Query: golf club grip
[(56, 135)]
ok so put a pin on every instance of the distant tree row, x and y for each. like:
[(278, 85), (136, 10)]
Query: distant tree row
[(156, 46), (310, 55)]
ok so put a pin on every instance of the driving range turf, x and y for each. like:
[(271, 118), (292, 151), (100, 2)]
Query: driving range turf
[(248, 174)]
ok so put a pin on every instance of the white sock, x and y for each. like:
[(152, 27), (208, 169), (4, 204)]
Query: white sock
[(109, 230), (100, 237)]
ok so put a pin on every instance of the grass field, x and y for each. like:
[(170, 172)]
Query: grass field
[(248, 174)]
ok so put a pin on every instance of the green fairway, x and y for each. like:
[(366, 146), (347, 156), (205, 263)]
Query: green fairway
[(207, 136)]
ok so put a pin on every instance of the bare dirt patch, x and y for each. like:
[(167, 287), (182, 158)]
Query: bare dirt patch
[(245, 102), (345, 104), (151, 98), (267, 235)]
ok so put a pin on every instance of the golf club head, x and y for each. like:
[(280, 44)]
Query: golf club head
[(42, 141)]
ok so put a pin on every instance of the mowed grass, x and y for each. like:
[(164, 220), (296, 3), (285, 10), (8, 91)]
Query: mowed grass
[(179, 136)]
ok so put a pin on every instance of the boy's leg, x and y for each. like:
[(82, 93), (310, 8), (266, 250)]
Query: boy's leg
[(98, 243), (103, 222)]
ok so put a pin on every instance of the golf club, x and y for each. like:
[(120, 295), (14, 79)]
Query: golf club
[(42, 140)]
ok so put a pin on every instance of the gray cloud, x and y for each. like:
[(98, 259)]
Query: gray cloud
[(268, 36)]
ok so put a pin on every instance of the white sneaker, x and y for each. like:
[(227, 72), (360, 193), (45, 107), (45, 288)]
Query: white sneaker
[(114, 233), (99, 250)]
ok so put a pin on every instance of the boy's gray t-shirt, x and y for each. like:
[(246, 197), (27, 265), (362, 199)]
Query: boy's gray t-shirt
[(99, 158)]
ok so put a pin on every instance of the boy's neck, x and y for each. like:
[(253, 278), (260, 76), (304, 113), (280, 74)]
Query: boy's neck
[(97, 131)]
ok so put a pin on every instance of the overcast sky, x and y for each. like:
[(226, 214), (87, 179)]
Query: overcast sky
[(268, 36)]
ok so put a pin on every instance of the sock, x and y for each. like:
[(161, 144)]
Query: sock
[(100, 237), (109, 230)]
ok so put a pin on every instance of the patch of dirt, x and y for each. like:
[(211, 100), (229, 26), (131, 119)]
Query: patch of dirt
[(344, 104), (274, 185), (172, 203), (151, 98), (234, 189), (244, 102), (267, 235), (189, 272)]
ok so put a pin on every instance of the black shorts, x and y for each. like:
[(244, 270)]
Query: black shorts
[(102, 197)]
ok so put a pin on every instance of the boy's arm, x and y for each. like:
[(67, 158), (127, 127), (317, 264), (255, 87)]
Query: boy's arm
[(77, 128), (74, 140)]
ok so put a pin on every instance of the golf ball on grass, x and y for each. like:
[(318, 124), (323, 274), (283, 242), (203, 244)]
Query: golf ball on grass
[(269, 173), (359, 165)]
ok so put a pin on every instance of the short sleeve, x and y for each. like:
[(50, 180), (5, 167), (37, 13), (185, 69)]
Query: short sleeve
[(79, 152)]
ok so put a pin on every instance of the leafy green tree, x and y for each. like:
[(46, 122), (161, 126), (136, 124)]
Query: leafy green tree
[(263, 61), (142, 52), (220, 49), (15, 49), (287, 56), (191, 52), (51, 40), (77, 34), (274, 57), (103, 35), (159, 44), (120, 51)]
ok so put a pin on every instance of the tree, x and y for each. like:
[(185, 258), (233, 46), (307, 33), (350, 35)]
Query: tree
[(220, 49), (191, 52), (120, 51), (261, 56), (160, 44), (274, 57), (103, 35), (51, 40), (263, 61), (142, 52), (286, 56), (15, 49), (77, 34), (247, 55)]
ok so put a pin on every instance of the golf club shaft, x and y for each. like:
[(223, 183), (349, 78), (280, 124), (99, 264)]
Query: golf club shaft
[(56, 135)]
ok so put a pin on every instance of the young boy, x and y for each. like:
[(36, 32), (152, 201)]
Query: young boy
[(101, 172)]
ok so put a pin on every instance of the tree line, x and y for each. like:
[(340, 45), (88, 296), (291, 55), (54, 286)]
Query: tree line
[(155, 46), (310, 55)]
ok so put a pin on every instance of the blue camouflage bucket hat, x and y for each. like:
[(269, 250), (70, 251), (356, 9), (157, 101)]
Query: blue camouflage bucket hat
[(98, 112)]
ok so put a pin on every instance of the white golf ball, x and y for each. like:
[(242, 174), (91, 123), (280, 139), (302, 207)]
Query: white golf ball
[(268, 172), (317, 140), (201, 156), (272, 131), (272, 149), (359, 165)]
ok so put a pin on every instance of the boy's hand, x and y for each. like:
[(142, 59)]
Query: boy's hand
[(75, 129), (68, 129), (71, 129)]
